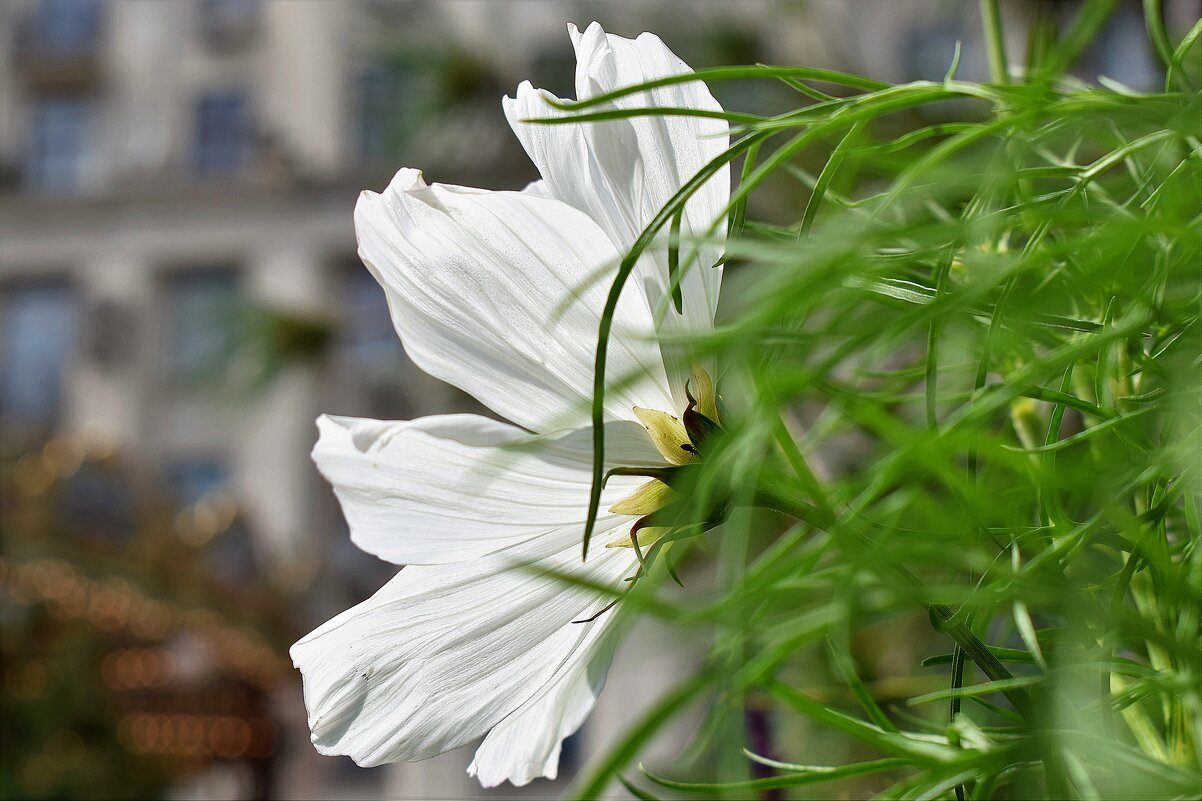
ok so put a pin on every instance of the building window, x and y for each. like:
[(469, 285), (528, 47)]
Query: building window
[(232, 14), (66, 27), (38, 324), (223, 133), (59, 129), (553, 69), (230, 23), (928, 48), (191, 479), (97, 506), (368, 340), (1123, 52), (570, 754), (355, 573), (231, 559), (377, 93), (228, 551), (202, 312)]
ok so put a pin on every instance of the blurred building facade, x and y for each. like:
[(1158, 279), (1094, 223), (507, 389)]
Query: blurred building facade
[(176, 187), (178, 278)]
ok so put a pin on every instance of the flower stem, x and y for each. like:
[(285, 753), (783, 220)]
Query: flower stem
[(942, 617), (991, 16), (954, 707)]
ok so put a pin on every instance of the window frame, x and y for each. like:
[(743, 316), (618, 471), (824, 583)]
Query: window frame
[(180, 372), (57, 405), (48, 165), (230, 153), (80, 36)]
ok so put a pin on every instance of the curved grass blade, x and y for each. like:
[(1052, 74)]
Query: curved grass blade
[(827, 175), (1181, 52), (807, 775), (625, 267), (731, 73), (976, 689), (847, 670), (638, 734), (926, 751), (635, 790)]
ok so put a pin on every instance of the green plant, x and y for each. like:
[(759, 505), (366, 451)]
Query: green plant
[(963, 385)]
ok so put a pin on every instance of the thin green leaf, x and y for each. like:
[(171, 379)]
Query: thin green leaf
[(636, 736), (976, 689), (810, 775)]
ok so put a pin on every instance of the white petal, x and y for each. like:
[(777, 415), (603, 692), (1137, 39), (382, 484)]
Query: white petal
[(537, 188), (594, 167), (493, 292), (672, 149), (526, 745), (440, 655), (451, 487), (621, 172)]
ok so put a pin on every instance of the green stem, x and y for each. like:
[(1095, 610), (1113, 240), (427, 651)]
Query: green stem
[(941, 616), (991, 16), (1154, 22), (954, 707)]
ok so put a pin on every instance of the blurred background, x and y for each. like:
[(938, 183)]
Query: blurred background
[(180, 297)]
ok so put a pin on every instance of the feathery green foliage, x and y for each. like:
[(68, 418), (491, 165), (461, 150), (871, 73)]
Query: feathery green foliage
[(961, 365)]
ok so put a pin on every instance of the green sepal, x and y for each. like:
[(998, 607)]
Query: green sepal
[(700, 428)]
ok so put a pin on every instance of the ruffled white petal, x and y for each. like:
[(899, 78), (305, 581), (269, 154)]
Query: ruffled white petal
[(442, 654), (527, 744), (621, 172), (495, 292), (451, 487), (537, 188), (672, 149), (500, 293)]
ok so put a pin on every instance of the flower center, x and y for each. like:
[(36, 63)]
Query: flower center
[(681, 442)]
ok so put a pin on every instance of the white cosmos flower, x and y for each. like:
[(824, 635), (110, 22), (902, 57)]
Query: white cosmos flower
[(491, 292)]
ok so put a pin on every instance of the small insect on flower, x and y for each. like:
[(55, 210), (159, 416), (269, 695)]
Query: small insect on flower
[(496, 293)]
